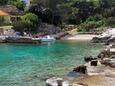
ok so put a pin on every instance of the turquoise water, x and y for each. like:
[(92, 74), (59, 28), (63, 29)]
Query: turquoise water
[(30, 65)]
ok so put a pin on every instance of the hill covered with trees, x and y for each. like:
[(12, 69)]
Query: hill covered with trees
[(86, 14)]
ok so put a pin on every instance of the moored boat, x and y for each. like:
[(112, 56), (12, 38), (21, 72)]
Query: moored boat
[(47, 38)]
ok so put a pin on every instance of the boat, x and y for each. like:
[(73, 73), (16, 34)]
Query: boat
[(47, 38)]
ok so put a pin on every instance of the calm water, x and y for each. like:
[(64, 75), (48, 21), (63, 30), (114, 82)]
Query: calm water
[(30, 65)]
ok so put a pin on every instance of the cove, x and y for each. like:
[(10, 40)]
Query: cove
[(30, 65)]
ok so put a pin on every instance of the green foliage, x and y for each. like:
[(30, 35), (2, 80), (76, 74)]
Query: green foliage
[(19, 26), (47, 15), (87, 14), (4, 20), (111, 21), (18, 3), (91, 24), (29, 22), (3, 1), (30, 19)]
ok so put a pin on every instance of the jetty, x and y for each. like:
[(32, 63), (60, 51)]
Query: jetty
[(19, 40)]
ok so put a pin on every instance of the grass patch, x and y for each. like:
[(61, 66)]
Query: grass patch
[(6, 27)]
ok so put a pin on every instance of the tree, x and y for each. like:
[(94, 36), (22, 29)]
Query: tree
[(90, 12), (19, 26), (18, 3), (4, 20), (29, 22), (111, 21), (52, 4), (3, 1), (47, 15)]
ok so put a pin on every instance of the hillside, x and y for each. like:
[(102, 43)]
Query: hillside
[(86, 13)]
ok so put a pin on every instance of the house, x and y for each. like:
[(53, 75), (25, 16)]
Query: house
[(3, 13), (13, 15), (11, 11), (6, 31)]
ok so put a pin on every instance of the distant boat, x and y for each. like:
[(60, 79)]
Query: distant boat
[(47, 38)]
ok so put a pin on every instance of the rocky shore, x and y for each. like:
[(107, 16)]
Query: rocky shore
[(97, 71), (106, 37)]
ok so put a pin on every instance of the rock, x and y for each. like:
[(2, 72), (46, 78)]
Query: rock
[(111, 40), (109, 62), (22, 40), (81, 69), (65, 83), (74, 74), (112, 57), (100, 39), (54, 81), (90, 58), (112, 63), (79, 84), (49, 28), (101, 55), (94, 63), (105, 61), (105, 54)]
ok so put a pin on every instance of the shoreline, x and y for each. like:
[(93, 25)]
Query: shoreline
[(79, 37), (96, 71)]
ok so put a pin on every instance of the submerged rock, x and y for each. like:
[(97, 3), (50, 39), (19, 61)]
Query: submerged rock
[(90, 58), (81, 69)]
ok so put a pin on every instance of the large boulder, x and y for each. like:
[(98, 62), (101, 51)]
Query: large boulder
[(49, 29)]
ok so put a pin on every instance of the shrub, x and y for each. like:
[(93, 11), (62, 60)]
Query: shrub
[(29, 22), (18, 26), (88, 25), (5, 20), (18, 3), (111, 21)]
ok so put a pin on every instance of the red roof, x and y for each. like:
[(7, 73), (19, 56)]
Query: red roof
[(3, 13), (9, 10)]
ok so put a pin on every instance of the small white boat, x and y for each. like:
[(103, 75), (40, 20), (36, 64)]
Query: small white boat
[(47, 38)]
